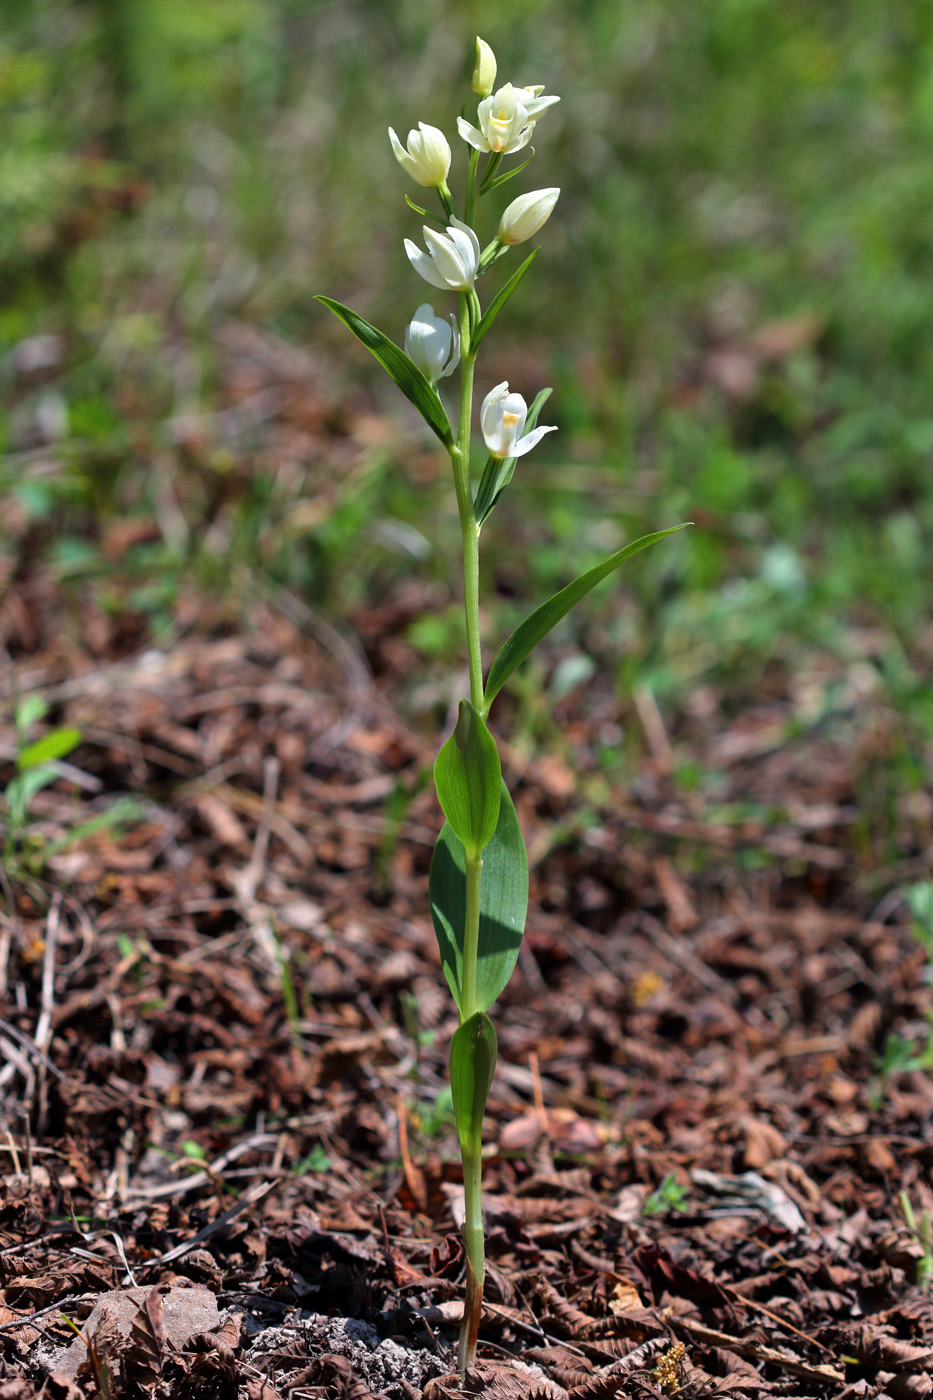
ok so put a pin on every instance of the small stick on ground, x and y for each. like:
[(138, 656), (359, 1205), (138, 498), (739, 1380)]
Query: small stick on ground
[(755, 1351)]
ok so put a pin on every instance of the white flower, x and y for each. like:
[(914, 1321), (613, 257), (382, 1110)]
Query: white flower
[(526, 214), (452, 257), (433, 344), (507, 119), (484, 71), (427, 159), (502, 418)]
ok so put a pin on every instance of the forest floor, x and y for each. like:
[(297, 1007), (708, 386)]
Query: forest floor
[(225, 1032)]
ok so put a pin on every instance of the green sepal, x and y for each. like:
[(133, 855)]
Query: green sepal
[(497, 472), (499, 300), (396, 363), (536, 625), (468, 778), (473, 1051), (503, 904)]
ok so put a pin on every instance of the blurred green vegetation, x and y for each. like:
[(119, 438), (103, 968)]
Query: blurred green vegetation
[(732, 302)]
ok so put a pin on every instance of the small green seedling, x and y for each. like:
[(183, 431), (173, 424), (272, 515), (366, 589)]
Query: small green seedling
[(35, 767), (922, 1232), (900, 1054), (669, 1198), (478, 886)]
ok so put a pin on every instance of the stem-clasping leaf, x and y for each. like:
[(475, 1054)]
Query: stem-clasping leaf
[(473, 1050), (468, 778), (503, 903)]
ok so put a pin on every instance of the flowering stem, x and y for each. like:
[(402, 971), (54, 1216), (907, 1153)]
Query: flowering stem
[(469, 530), (469, 207), (450, 209), (471, 1153)]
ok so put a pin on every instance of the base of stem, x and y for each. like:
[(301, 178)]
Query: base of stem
[(472, 1310)]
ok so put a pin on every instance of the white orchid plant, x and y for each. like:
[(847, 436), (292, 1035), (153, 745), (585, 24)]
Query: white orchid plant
[(478, 885)]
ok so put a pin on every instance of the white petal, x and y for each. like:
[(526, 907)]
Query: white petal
[(470, 233), (454, 360), (402, 156), (529, 441), (471, 135), (455, 253), (424, 266), (534, 106), (445, 255), (490, 413), (521, 140)]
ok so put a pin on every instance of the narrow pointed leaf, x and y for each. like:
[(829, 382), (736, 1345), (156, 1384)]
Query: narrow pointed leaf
[(49, 747), (396, 363), (498, 180), (473, 1051), (497, 472), (499, 300), (503, 904), (536, 625), (468, 778), (426, 213)]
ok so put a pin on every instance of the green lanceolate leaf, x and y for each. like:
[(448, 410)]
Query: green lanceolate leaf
[(468, 778), (49, 747), (499, 300), (503, 902), (536, 625), (497, 472), (497, 180), (396, 363), (472, 1066)]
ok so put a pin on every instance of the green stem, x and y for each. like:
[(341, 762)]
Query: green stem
[(469, 530), (475, 1251), (469, 207), (474, 870)]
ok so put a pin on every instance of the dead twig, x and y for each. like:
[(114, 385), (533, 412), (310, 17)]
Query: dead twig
[(249, 1198), (756, 1351)]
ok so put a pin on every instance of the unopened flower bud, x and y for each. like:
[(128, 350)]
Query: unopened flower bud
[(525, 215), (433, 343), (484, 71), (427, 159)]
